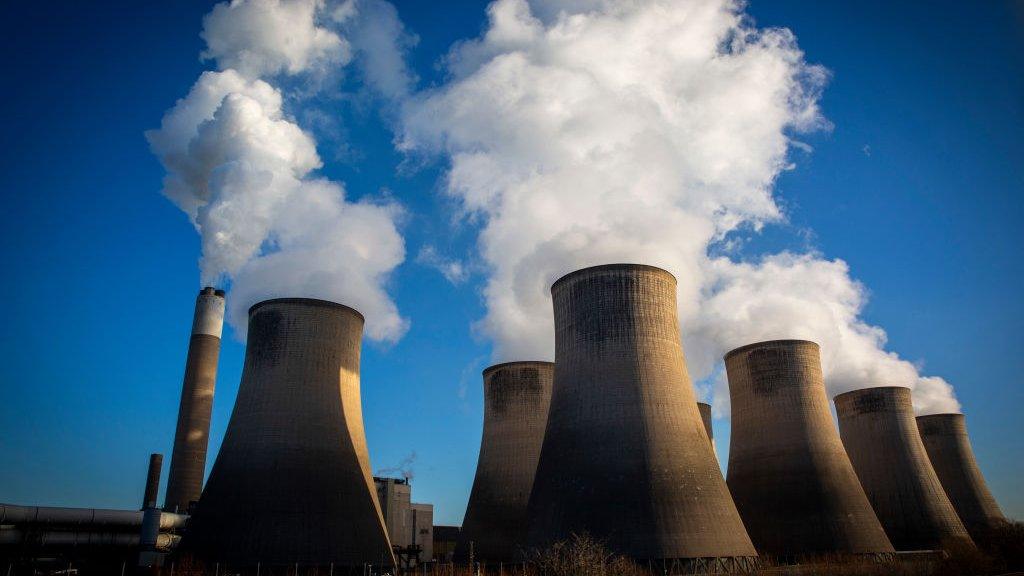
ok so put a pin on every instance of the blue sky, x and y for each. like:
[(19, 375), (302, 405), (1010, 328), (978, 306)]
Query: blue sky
[(917, 186)]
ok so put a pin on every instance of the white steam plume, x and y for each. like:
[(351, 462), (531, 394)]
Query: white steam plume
[(650, 131), (242, 169)]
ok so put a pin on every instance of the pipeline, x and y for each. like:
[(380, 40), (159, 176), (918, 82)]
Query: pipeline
[(56, 538), (84, 517)]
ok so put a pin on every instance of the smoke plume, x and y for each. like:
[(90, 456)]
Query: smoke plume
[(651, 131), (243, 170)]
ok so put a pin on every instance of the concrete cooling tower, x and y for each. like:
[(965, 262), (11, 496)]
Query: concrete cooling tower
[(625, 456), (292, 481), (192, 437), (788, 472), (880, 435), (949, 449), (516, 399), (705, 417)]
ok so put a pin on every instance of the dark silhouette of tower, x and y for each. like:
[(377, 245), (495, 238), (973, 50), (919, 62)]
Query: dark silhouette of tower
[(516, 399), (292, 481), (788, 472), (192, 437), (880, 434), (625, 456), (949, 449)]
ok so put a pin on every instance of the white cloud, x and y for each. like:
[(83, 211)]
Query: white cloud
[(267, 37), (242, 170), (453, 270), (584, 133)]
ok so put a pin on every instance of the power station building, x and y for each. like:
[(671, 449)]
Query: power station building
[(788, 473), (292, 481), (625, 454), (410, 525), (949, 449), (192, 437), (516, 400), (880, 435)]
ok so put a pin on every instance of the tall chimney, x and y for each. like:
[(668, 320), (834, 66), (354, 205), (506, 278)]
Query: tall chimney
[(788, 472), (192, 437), (949, 449), (292, 481), (879, 432), (156, 462), (625, 456), (705, 417), (516, 400)]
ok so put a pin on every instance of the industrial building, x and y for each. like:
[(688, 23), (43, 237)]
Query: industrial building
[(292, 481), (625, 450), (788, 472), (880, 435), (410, 525), (949, 450), (516, 399), (192, 437)]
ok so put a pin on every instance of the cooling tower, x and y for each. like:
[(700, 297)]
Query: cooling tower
[(880, 435), (292, 481), (705, 417), (949, 449), (188, 459), (516, 399), (788, 472), (625, 456)]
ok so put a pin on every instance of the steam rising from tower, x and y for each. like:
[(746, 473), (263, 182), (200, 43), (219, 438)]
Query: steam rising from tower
[(192, 436)]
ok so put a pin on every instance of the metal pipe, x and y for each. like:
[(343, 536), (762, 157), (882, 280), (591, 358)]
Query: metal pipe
[(59, 516), (17, 536)]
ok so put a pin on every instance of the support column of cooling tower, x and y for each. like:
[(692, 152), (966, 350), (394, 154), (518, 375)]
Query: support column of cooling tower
[(705, 417), (788, 472), (516, 399), (880, 435), (625, 456), (949, 449), (291, 483), (192, 437)]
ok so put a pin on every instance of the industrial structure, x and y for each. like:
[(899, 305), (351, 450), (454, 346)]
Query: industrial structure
[(292, 481), (949, 449), (192, 437), (516, 399), (625, 452), (410, 525), (788, 473), (705, 415), (880, 435)]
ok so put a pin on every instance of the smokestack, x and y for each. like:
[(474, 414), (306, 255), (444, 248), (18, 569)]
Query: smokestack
[(625, 457), (880, 435), (949, 449), (191, 439), (705, 416), (788, 472), (516, 400), (292, 480), (156, 462)]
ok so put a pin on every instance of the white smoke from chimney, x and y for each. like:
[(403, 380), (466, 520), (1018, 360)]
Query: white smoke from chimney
[(242, 169), (650, 131)]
